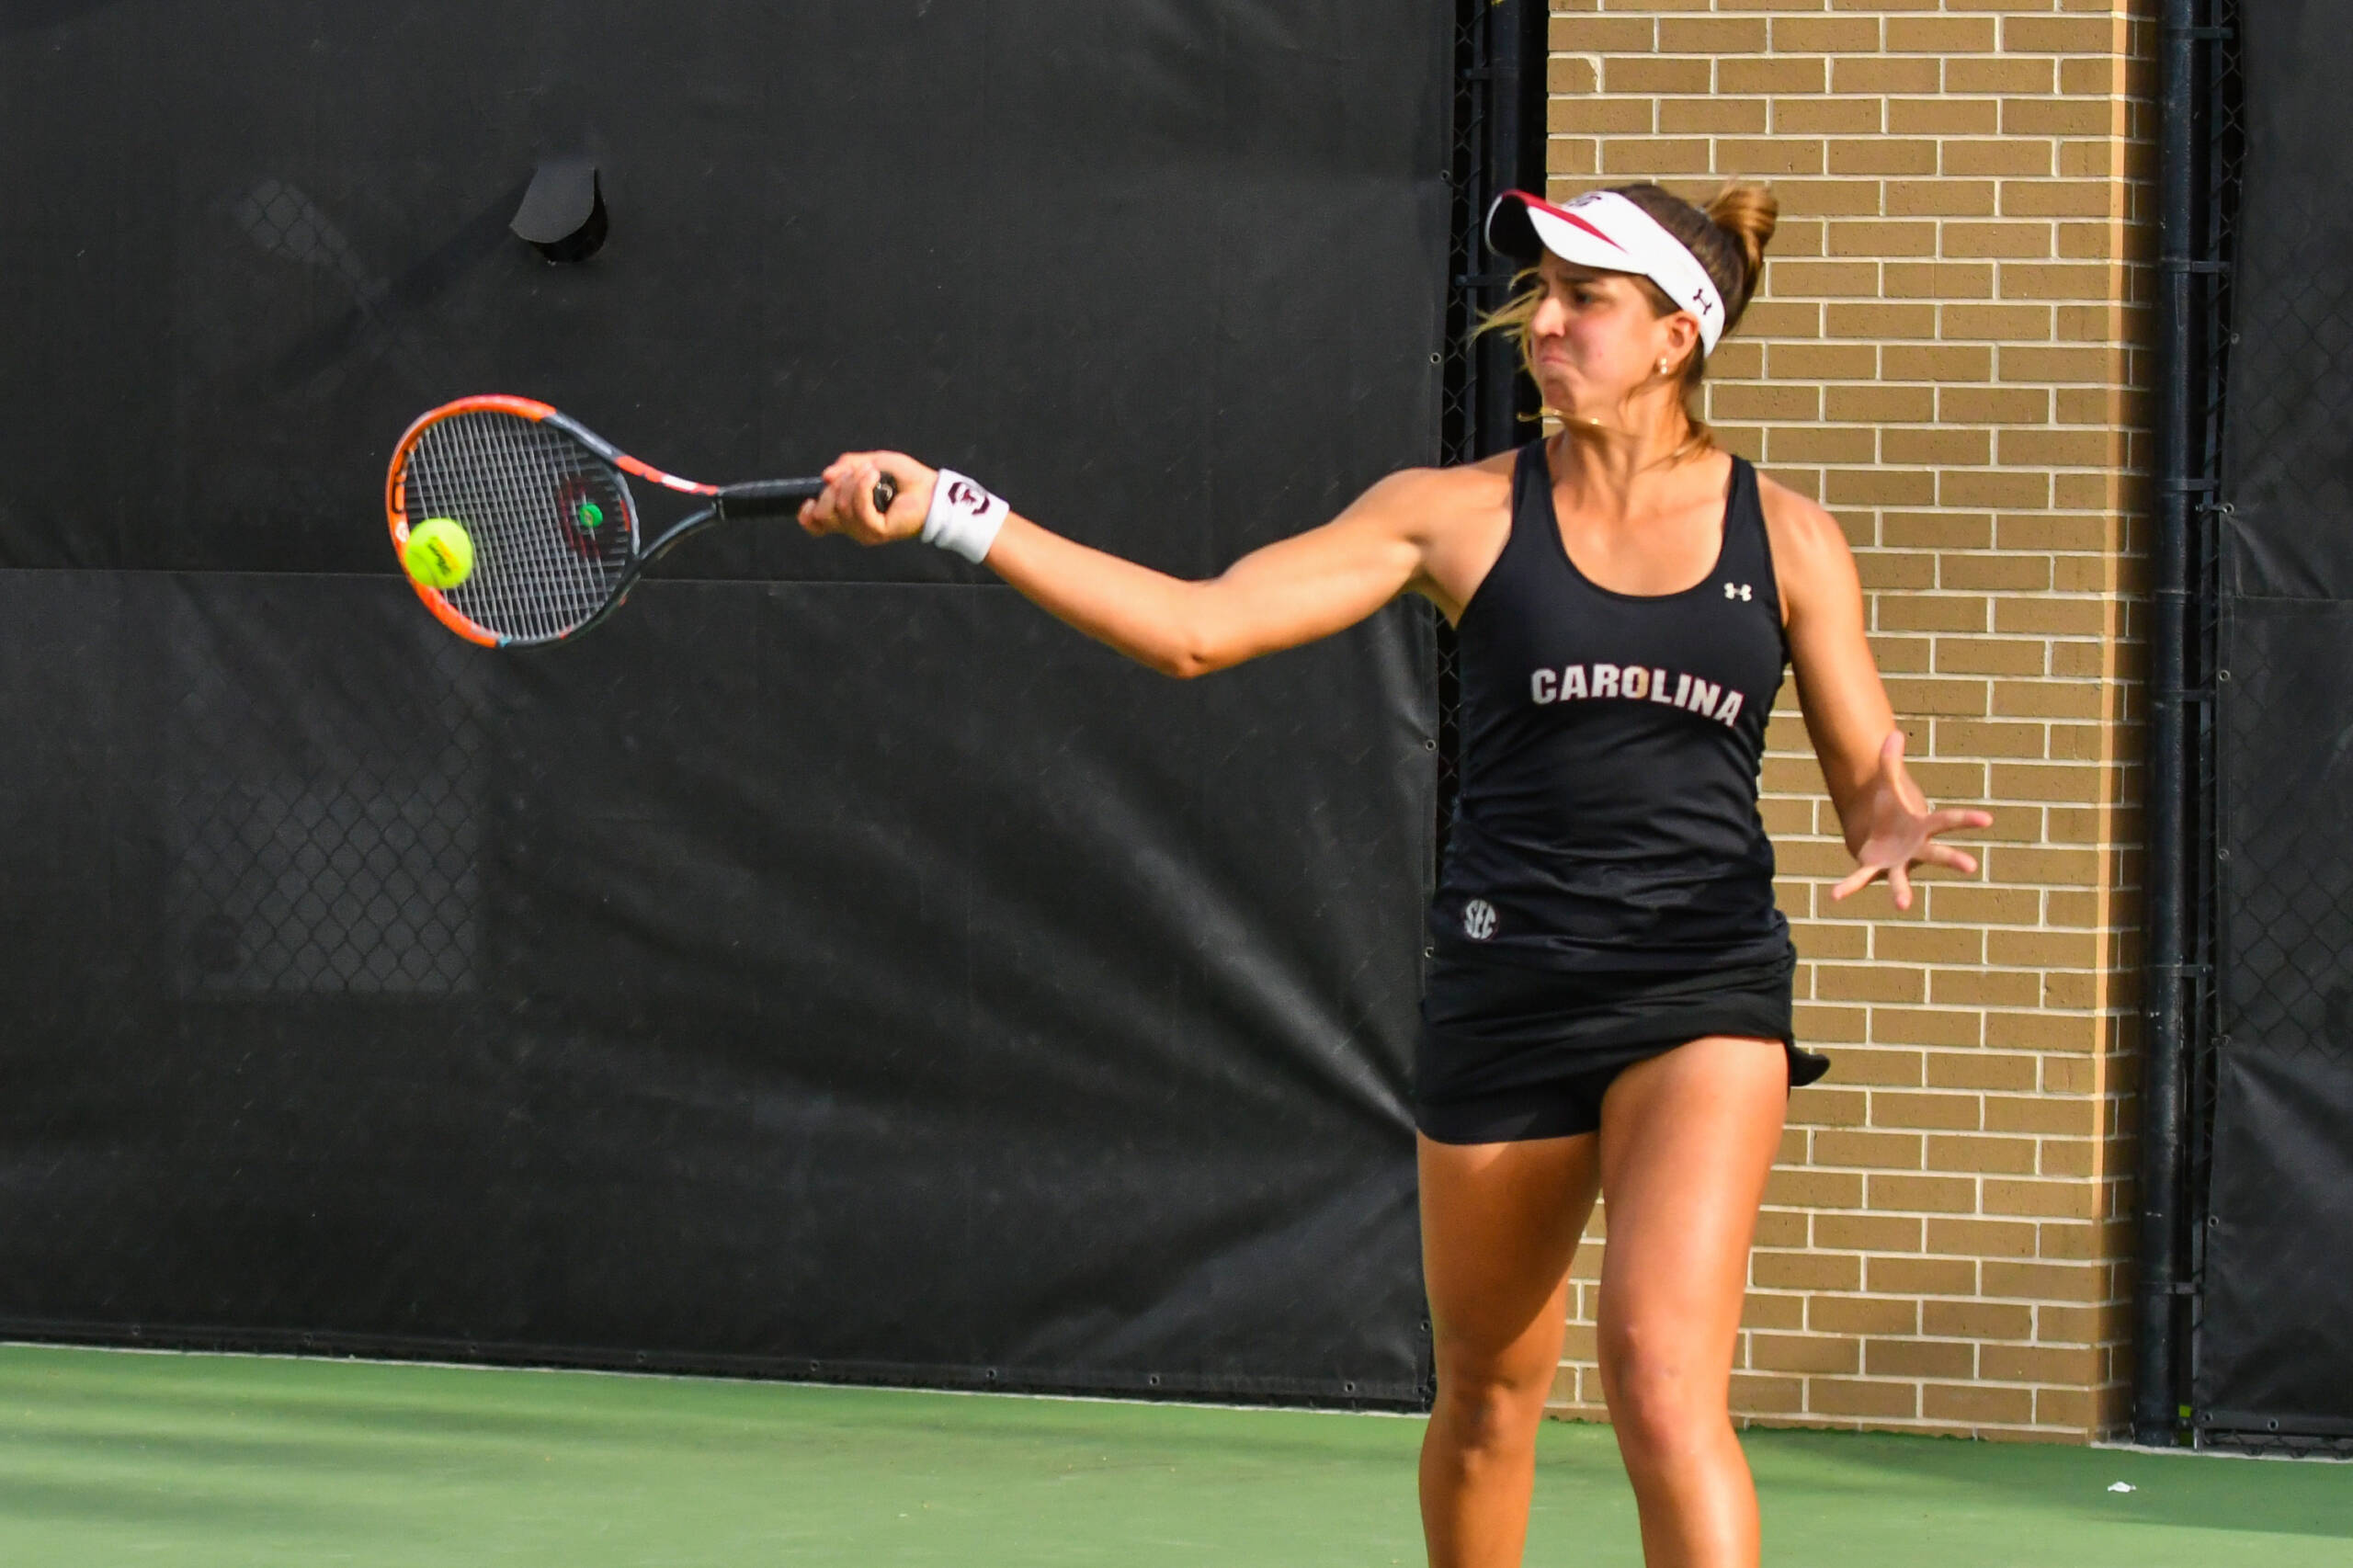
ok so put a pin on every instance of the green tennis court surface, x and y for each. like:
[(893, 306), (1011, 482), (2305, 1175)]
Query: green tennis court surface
[(108, 1458)]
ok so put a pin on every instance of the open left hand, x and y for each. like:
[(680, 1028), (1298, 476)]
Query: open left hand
[(1892, 830)]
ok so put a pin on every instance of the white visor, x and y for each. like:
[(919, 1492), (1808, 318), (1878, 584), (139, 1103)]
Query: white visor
[(1604, 231)]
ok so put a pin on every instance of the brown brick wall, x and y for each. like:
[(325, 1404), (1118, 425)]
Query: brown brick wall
[(1948, 352)]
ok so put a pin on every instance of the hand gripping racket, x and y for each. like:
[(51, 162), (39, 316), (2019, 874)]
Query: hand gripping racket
[(546, 504)]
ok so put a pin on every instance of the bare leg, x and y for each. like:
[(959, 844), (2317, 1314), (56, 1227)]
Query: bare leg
[(1688, 1140), (1500, 1223)]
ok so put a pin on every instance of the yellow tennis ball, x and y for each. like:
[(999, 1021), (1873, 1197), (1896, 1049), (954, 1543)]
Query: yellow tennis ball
[(441, 553)]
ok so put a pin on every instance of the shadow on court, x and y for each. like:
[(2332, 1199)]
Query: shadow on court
[(108, 1457)]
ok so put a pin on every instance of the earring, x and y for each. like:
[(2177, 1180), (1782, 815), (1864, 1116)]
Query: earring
[(1661, 366)]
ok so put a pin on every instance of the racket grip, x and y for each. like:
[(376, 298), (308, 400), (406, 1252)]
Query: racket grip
[(782, 497), (768, 497)]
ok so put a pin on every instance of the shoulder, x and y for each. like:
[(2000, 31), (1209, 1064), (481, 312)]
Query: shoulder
[(1807, 540), (1457, 486), (1425, 501), (1458, 520)]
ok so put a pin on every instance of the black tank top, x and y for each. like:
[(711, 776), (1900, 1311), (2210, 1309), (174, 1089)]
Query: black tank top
[(1606, 818)]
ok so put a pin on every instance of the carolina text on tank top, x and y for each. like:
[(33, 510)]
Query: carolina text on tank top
[(1607, 817)]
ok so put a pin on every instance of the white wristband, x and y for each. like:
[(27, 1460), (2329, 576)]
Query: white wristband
[(964, 516)]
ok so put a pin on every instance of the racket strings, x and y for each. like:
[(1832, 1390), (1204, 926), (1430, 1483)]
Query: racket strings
[(553, 526)]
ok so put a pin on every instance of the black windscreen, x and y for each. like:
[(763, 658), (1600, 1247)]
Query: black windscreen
[(833, 966), (2275, 1344)]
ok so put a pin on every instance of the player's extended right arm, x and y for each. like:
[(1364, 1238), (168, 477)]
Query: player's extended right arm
[(1291, 592)]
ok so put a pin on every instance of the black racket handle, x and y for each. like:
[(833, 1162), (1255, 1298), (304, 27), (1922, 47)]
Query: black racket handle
[(782, 497)]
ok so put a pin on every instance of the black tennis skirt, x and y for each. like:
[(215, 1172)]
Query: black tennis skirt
[(1509, 1051)]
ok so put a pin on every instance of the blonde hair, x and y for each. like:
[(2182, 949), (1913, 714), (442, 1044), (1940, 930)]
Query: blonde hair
[(1727, 237)]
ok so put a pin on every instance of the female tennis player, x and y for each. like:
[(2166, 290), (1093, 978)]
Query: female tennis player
[(1609, 1007)]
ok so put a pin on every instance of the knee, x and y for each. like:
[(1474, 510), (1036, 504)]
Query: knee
[(1490, 1407), (1661, 1402)]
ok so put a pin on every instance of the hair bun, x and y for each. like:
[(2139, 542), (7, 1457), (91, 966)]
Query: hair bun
[(1749, 214)]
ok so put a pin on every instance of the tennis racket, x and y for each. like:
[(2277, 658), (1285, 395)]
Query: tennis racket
[(546, 504)]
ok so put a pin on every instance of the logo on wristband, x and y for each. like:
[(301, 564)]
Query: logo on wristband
[(964, 518)]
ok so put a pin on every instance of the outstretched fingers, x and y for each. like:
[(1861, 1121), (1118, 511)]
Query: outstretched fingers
[(1856, 881), (1935, 854), (1899, 883), (1881, 858)]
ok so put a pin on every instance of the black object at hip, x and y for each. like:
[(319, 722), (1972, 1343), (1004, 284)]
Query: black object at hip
[(1489, 1025)]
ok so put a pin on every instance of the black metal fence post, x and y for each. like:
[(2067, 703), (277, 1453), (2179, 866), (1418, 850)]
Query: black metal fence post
[(2160, 1371), (1513, 130)]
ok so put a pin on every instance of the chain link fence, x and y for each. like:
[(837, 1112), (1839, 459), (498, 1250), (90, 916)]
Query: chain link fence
[(320, 847)]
